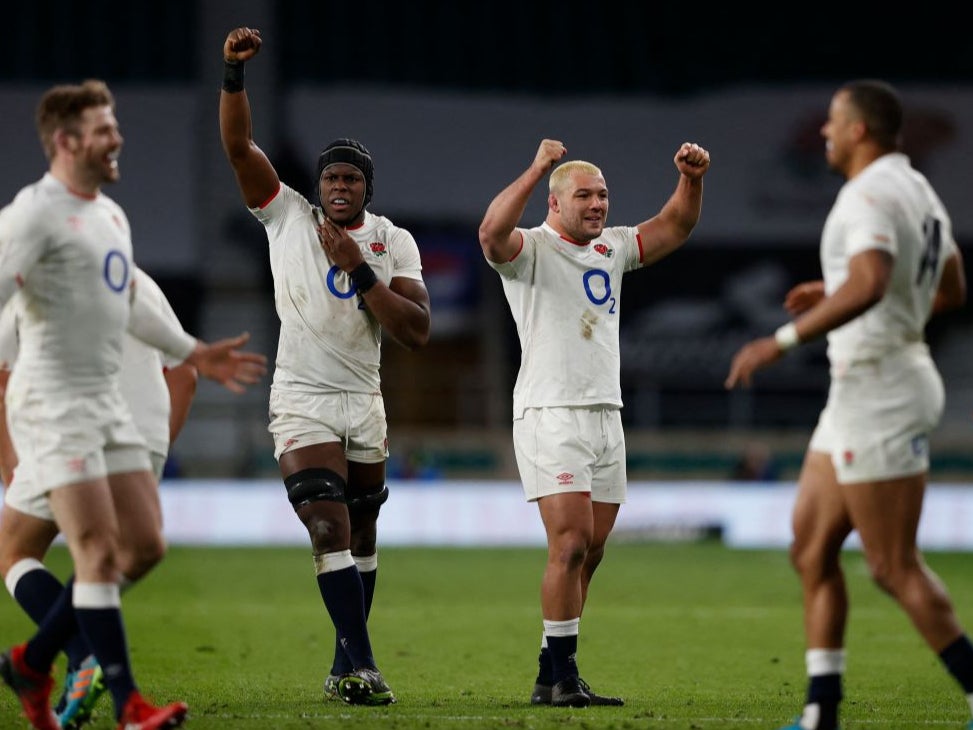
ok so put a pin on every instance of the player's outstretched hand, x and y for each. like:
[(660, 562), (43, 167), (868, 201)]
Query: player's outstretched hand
[(750, 358), (223, 362), (241, 44)]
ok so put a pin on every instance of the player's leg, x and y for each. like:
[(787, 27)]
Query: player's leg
[(568, 525), (26, 531), (84, 512), (24, 541), (141, 545), (91, 519), (366, 492), (555, 462), (886, 515), (821, 525), (315, 478), (609, 484), (903, 399), (86, 515), (609, 489), (311, 434), (604, 515), (601, 432), (366, 451)]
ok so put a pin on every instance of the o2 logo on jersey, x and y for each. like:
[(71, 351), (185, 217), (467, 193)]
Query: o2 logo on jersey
[(333, 287), (598, 288), (116, 271)]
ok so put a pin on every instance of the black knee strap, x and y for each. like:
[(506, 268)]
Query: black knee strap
[(314, 485), (369, 501)]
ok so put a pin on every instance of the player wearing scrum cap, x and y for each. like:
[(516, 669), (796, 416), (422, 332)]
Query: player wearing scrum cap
[(342, 275)]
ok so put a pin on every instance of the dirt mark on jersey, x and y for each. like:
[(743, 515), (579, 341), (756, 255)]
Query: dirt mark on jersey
[(588, 321)]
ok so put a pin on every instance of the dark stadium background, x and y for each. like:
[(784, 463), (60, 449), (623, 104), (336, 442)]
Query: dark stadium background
[(542, 49)]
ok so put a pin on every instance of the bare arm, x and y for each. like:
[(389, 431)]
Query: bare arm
[(951, 293), (182, 381), (497, 235), (255, 175), (402, 308), (803, 296), (8, 455), (869, 273), (666, 231)]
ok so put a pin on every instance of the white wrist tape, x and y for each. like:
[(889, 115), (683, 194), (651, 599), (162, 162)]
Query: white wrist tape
[(786, 337)]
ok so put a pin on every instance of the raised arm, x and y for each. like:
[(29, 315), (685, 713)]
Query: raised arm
[(497, 237), (666, 231), (255, 175)]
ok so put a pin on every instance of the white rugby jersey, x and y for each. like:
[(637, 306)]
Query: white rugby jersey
[(72, 258), (564, 297), (328, 340), (142, 381), (889, 206)]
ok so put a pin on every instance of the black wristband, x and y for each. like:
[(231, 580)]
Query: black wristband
[(232, 76), (363, 277)]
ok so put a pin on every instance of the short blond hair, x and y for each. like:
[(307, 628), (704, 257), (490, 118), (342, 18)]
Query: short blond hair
[(563, 172), (62, 106)]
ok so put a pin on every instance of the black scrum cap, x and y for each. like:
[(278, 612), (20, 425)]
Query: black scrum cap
[(351, 152)]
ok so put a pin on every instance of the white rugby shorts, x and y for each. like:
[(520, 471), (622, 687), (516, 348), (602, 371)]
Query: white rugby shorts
[(879, 415), (355, 420), (63, 438), (21, 495), (571, 450)]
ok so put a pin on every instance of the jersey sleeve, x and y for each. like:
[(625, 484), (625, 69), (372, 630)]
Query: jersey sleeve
[(168, 313), (148, 287), (522, 262), (628, 241), (24, 238), (281, 212), (868, 225), (151, 326), (405, 256)]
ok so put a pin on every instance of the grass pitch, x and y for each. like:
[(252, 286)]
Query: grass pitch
[(694, 636)]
